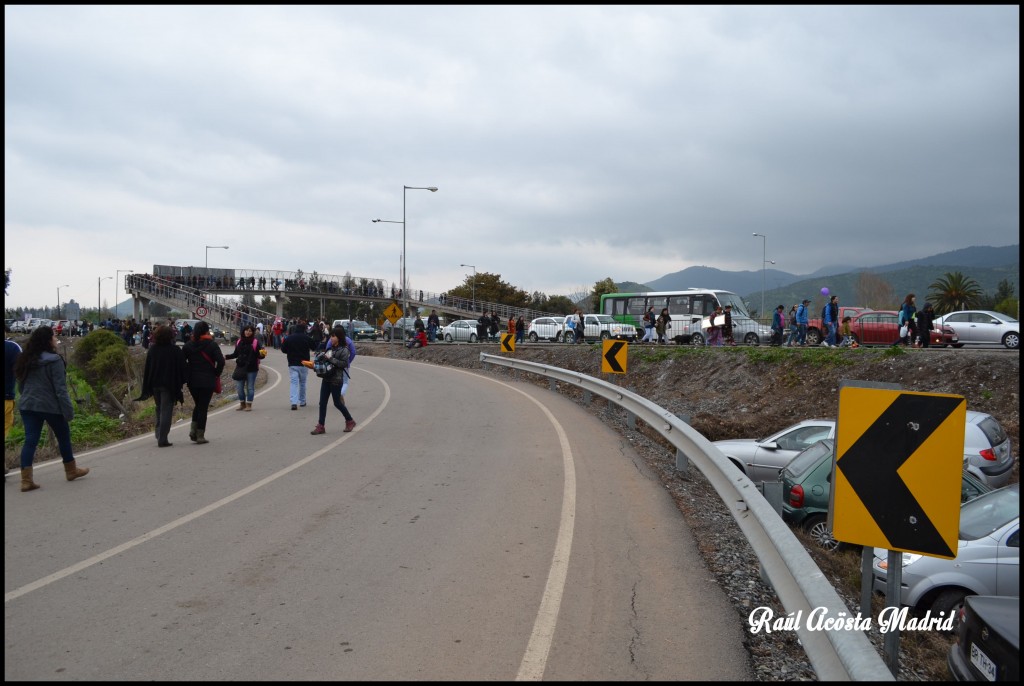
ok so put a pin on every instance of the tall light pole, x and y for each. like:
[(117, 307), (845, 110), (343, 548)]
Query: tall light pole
[(401, 260), (405, 256), (117, 275), (223, 247), (58, 301), (764, 263), (99, 298), (474, 283)]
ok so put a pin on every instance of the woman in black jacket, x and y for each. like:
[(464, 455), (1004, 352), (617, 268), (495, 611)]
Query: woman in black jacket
[(248, 353), (162, 380), (205, 364)]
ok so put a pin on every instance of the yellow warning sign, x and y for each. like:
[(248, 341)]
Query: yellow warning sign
[(613, 356), (899, 457), (508, 343), (393, 312)]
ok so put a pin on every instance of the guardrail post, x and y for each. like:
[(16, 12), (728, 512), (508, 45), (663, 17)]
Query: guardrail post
[(630, 420), (586, 397), (682, 462), (552, 384)]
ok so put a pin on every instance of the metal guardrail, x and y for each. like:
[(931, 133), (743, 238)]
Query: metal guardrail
[(801, 586)]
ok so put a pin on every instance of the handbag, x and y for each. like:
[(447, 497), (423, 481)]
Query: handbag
[(217, 387), (321, 367), (240, 373)]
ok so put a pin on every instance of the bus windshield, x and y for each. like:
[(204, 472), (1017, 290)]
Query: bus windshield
[(727, 298)]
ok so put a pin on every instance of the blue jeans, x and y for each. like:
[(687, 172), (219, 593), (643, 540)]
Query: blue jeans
[(792, 335), (801, 334), (298, 384), (240, 387), (831, 338), (33, 422)]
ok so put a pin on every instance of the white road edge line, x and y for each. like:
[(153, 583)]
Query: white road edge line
[(170, 526)]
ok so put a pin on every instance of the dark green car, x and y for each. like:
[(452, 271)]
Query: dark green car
[(359, 331), (806, 484)]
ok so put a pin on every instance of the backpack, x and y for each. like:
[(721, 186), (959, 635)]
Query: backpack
[(321, 367), (824, 313)]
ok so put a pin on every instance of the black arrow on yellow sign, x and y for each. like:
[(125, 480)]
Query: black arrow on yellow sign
[(871, 466), (508, 343), (609, 362)]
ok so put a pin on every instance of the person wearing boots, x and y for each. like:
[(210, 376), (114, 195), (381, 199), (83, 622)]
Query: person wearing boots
[(248, 353), (331, 380), (162, 379), (44, 398), (205, 363)]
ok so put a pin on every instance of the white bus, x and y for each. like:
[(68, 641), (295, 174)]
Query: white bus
[(688, 310)]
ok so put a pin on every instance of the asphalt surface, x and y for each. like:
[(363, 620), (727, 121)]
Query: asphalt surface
[(469, 528)]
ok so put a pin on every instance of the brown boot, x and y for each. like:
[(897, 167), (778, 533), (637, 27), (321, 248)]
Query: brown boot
[(72, 472), (241, 406), (27, 484), (248, 407)]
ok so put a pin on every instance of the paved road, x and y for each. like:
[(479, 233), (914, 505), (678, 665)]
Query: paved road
[(469, 528)]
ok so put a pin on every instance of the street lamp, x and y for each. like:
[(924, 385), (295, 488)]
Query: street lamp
[(405, 256), (99, 297), (223, 247), (764, 262), (474, 283), (58, 301), (117, 275)]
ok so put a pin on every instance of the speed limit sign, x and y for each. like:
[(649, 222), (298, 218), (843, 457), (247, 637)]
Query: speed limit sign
[(201, 312)]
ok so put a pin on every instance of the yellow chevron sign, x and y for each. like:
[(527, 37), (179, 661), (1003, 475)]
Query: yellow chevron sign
[(613, 356), (508, 343), (899, 458)]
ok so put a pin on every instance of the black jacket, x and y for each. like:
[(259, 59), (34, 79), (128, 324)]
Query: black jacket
[(165, 368), (202, 374), (297, 347), (246, 354)]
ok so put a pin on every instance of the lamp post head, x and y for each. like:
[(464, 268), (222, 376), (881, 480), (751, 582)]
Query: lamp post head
[(432, 189)]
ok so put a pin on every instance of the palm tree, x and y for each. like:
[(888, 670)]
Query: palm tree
[(954, 292)]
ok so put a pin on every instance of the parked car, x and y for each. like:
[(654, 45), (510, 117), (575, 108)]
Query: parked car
[(987, 644), (807, 486), (545, 328), (406, 323), (460, 330), (62, 327), (815, 333), (18, 326), (979, 327), (359, 331), (744, 330), (599, 327), (763, 458), (987, 561), (881, 327), (987, 449)]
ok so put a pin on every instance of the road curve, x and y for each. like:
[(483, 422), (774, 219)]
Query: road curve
[(470, 528)]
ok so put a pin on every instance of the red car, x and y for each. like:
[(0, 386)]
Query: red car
[(880, 327), (815, 332)]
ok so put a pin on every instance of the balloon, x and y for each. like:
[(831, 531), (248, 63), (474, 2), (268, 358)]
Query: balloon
[(824, 291)]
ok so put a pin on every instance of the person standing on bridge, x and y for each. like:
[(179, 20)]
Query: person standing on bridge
[(205, 364), (44, 398), (248, 353), (332, 366)]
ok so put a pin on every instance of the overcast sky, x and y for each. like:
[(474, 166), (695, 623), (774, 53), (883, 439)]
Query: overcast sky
[(569, 144)]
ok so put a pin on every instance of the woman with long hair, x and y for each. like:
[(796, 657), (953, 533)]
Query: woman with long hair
[(162, 379), (44, 398), (205, 364), (331, 380), (247, 354)]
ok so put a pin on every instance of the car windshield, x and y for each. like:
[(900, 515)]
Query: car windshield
[(988, 513), (361, 324), (808, 459), (605, 318)]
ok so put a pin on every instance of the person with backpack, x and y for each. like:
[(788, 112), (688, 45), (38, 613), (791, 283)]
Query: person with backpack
[(331, 366), (649, 318), (801, 323)]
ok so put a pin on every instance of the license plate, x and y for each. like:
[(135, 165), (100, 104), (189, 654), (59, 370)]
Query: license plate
[(984, 665)]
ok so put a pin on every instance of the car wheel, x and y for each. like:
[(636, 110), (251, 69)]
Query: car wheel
[(605, 335), (1012, 340), (472, 338), (949, 603), (697, 339), (813, 337), (752, 339), (958, 345), (533, 336), (448, 338), (817, 529)]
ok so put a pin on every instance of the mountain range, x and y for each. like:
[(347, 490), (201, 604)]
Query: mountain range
[(987, 265)]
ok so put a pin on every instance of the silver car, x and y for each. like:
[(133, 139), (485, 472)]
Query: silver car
[(987, 452), (460, 330), (762, 458), (987, 561), (979, 327)]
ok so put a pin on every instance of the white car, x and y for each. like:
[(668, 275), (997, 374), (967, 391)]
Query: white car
[(599, 326), (545, 328), (980, 327), (460, 330)]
